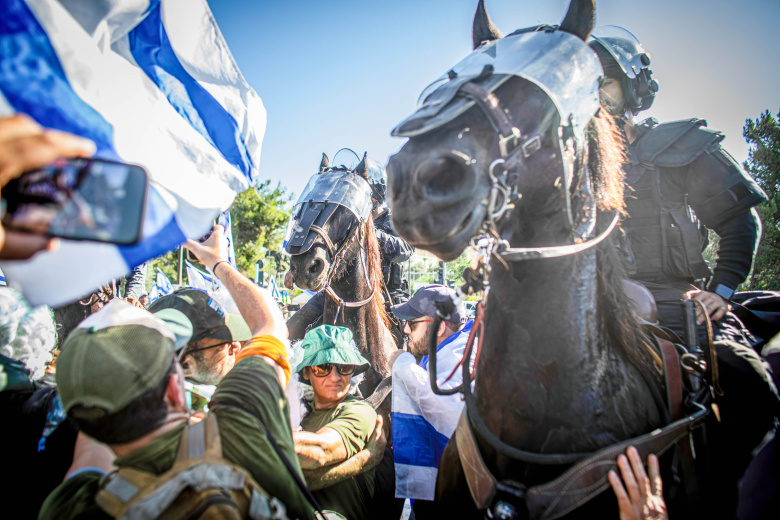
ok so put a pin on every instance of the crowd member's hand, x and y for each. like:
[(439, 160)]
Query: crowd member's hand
[(716, 306), (25, 146), (642, 497), (135, 302), (213, 250), (376, 444), (288, 280)]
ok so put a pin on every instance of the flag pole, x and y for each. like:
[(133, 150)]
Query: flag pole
[(181, 264)]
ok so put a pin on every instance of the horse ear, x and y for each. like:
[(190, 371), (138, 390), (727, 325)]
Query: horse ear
[(580, 18), (483, 29), (325, 163), (360, 169)]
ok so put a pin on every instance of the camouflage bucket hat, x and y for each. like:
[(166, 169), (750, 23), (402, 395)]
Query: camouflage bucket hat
[(330, 344)]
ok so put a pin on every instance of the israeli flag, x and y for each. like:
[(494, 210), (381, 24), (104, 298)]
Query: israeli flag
[(201, 280), (152, 82), (154, 294), (421, 421), (2, 278), (224, 221), (274, 288), (163, 285)]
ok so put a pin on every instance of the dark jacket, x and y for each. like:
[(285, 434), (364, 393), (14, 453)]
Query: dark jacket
[(681, 183)]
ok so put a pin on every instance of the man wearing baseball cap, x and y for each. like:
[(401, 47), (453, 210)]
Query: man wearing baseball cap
[(422, 422), (216, 335), (121, 383)]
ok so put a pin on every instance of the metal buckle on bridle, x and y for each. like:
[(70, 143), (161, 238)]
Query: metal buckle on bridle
[(512, 138), (532, 146)]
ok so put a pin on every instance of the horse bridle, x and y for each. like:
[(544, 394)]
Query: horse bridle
[(513, 149), (359, 231), (488, 243), (336, 257)]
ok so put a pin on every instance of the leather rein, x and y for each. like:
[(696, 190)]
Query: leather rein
[(587, 477)]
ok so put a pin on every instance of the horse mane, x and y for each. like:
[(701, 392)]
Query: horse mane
[(377, 318), (605, 163)]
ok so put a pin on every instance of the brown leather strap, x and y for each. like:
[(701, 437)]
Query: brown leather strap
[(481, 482), (326, 239), (580, 483), (381, 392), (587, 479), (673, 378), (491, 106)]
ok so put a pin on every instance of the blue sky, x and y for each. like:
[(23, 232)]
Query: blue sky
[(343, 73)]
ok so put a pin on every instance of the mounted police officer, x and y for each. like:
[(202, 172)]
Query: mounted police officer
[(394, 250), (682, 182)]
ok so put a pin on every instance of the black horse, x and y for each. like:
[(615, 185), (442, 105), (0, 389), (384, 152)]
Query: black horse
[(511, 147), (338, 253)]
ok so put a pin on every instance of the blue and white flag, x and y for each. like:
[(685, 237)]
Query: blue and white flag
[(225, 221), (152, 82), (154, 294), (200, 279), (274, 289), (163, 285), (421, 421)]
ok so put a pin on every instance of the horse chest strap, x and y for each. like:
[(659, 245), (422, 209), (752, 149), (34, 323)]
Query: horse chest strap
[(482, 484)]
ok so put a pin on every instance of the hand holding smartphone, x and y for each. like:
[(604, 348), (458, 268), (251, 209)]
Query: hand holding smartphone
[(79, 199)]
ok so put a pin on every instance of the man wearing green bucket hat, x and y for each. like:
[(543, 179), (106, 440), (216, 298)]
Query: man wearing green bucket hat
[(338, 425)]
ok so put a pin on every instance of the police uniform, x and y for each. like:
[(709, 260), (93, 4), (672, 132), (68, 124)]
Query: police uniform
[(681, 182)]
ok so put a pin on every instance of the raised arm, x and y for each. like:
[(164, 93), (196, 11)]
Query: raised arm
[(257, 306)]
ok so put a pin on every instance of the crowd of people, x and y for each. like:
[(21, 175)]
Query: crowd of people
[(105, 429)]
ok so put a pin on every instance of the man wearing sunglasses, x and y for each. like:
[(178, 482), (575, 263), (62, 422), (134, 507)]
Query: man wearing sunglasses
[(423, 422), (338, 425), (216, 337)]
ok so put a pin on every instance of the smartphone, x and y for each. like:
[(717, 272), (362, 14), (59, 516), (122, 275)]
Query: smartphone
[(79, 199)]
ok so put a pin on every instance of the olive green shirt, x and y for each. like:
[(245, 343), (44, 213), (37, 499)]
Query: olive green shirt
[(354, 421), (250, 393)]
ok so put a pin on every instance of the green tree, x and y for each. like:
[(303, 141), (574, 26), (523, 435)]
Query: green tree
[(763, 165), (259, 221)]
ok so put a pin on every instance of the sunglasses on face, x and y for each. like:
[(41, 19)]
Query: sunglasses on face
[(325, 369), (411, 323)]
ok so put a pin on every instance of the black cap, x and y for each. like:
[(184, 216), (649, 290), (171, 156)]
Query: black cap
[(423, 303)]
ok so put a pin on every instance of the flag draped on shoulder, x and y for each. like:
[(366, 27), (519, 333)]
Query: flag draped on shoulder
[(423, 422), (152, 83)]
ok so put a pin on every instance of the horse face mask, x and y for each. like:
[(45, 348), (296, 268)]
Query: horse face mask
[(560, 63), (319, 200)]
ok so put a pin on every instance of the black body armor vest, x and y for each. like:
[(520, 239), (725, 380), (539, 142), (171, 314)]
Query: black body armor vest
[(664, 239)]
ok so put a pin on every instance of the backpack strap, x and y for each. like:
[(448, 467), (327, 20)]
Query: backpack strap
[(120, 488), (200, 440)]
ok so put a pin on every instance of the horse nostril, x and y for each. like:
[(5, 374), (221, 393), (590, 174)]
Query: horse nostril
[(444, 176), (315, 267)]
